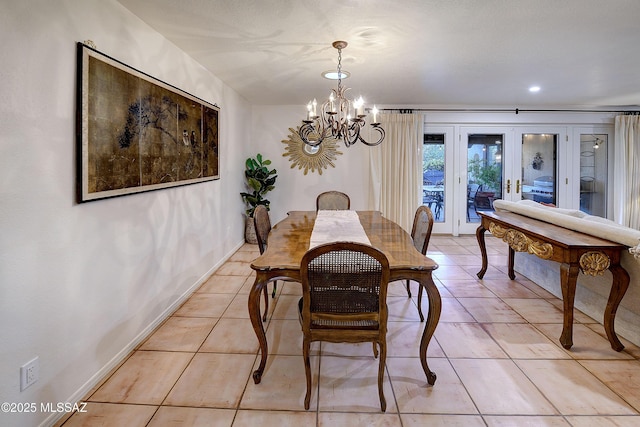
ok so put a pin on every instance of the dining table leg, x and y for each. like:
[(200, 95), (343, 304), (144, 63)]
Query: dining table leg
[(433, 316), (256, 322), (420, 286)]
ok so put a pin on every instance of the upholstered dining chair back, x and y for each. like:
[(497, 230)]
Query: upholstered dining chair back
[(344, 288), (421, 230), (333, 200), (421, 233)]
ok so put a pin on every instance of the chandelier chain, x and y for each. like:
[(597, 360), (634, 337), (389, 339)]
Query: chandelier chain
[(339, 68)]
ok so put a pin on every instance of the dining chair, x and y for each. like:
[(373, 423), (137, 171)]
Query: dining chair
[(433, 199), (472, 190), (332, 200), (421, 233), (262, 223), (483, 201), (344, 299)]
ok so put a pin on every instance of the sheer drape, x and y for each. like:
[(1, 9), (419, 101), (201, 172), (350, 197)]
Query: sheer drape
[(396, 168), (626, 197)]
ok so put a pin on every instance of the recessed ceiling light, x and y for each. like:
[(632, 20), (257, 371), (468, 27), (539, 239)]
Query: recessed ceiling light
[(534, 89), (333, 75)]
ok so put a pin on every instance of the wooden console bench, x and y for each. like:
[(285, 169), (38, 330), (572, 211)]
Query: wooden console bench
[(575, 251)]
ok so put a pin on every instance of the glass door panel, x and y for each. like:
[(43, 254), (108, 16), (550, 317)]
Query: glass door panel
[(480, 172), (433, 182), (539, 178), (593, 174), (484, 173), (437, 176)]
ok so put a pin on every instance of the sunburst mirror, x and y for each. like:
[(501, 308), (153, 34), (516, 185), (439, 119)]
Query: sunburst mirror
[(307, 157)]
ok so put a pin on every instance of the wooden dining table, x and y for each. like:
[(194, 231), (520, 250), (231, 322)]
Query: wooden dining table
[(290, 239)]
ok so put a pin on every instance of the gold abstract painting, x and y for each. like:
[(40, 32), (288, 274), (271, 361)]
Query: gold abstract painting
[(137, 133)]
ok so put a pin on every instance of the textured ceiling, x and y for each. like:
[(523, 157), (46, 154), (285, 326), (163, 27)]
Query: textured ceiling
[(582, 53)]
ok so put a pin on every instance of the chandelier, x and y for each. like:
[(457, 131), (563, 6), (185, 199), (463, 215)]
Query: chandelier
[(339, 117)]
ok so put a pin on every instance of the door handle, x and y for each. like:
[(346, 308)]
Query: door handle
[(508, 186), (517, 186)]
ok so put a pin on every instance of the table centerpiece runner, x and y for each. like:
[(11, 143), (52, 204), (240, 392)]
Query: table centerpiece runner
[(337, 225)]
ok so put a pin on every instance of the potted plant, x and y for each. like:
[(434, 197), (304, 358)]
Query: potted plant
[(260, 180), (487, 175)]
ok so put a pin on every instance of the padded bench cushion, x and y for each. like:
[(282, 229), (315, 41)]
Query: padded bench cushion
[(576, 220)]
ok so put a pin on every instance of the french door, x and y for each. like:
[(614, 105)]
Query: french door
[(468, 167), (509, 163)]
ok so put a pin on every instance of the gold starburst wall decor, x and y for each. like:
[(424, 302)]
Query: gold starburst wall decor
[(307, 157)]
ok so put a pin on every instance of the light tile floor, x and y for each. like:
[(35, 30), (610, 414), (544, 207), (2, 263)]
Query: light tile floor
[(495, 352)]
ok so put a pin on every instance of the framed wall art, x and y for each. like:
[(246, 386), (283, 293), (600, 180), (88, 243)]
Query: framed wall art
[(136, 133)]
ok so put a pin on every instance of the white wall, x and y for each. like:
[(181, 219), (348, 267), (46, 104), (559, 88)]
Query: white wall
[(80, 285)]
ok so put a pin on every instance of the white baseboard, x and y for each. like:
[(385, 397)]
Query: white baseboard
[(144, 334)]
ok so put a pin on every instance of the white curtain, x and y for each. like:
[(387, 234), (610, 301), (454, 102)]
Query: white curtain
[(396, 168), (626, 177)]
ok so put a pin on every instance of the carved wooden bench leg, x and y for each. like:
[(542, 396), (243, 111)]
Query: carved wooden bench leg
[(618, 288), (568, 280)]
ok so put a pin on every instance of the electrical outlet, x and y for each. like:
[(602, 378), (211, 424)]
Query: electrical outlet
[(29, 373)]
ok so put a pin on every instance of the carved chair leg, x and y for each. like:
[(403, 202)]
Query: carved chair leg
[(383, 358), (275, 286), (409, 288), (307, 370)]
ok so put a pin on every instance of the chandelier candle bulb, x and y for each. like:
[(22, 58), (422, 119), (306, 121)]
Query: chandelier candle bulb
[(315, 104), (375, 114), (359, 105)]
